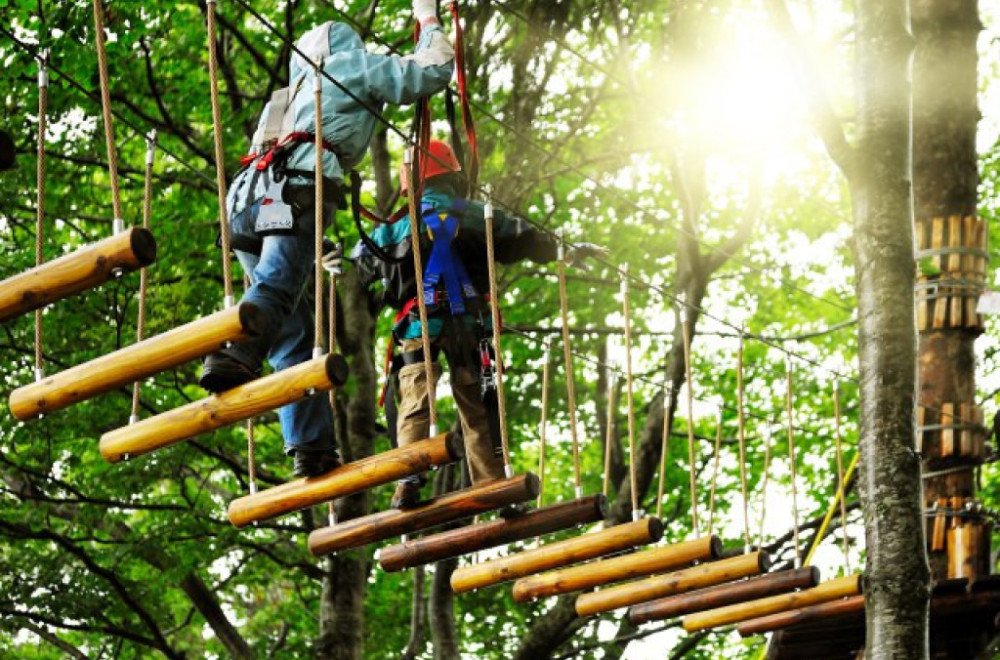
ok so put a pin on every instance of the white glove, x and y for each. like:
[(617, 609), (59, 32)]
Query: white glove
[(333, 260), (425, 10)]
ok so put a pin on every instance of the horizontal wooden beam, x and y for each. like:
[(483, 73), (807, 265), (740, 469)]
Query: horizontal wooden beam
[(489, 534), (725, 594), (822, 593), (658, 586), (447, 508), (136, 362), (347, 480), (831, 609), (88, 267), (616, 569), (244, 402), (554, 555)]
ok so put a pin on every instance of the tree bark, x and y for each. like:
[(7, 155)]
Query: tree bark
[(890, 485)]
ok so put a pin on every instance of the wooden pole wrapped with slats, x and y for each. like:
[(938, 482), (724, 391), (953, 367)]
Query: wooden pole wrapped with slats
[(725, 594), (240, 403), (489, 534), (136, 362), (831, 609), (78, 271), (561, 553), (616, 569), (447, 508), (831, 590), (351, 478), (658, 586)]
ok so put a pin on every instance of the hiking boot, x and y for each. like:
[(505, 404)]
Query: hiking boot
[(513, 510), (222, 372), (407, 495), (314, 462)]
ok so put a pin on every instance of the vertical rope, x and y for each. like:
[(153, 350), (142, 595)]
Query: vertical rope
[(147, 215), (251, 440), (741, 430), (633, 475), (318, 203), (668, 428), (791, 456), (568, 359), (495, 312), (43, 104), (840, 476), (220, 155), (767, 474), (543, 426), (609, 431), (418, 276), (109, 126), (686, 335), (332, 345), (715, 472)]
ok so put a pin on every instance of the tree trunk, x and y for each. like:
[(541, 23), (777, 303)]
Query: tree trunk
[(945, 174), (442, 612), (890, 486)]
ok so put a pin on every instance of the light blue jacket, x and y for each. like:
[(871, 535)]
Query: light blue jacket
[(374, 78)]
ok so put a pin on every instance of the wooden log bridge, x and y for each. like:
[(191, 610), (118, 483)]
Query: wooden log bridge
[(827, 591), (658, 586), (136, 362), (725, 594), (832, 609), (78, 271), (447, 508), (616, 569), (347, 480), (560, 553), (489, 534), (243, 402)]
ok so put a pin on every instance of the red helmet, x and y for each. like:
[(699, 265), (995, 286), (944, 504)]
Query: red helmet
[(437, 160)]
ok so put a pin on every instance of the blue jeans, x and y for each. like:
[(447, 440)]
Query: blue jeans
[(279, 276)]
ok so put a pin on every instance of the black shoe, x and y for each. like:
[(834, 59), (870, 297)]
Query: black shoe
[(313, 463), (513, 510), (222, 372), (407, 495)]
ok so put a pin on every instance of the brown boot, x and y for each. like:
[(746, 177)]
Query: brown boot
[(407, 495)]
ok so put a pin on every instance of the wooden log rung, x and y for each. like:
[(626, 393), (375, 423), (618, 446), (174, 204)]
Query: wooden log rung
[(136, 362), (828, 610), (492, 533), (441, 510), (244, 402), (86, 268), (659, 586), (755, 588), (827, 591), (553, 555), (617, 569), (346, 480)]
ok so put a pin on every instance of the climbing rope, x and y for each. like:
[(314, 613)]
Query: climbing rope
[(686, 337), (332, 345), (633, 475), (609, 431), (251, 440), (463, 95), (43, 103), (767, 474), (220, 155), (118, 224), (318, 203), (840, 476), (568, 360), (791, 457), (715, 472), (668, 428), (741, 434), (542, 427), (147, 215), (495, 312)]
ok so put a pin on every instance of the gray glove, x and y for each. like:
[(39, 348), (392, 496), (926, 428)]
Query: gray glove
[(333, 258), (577, 254)]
